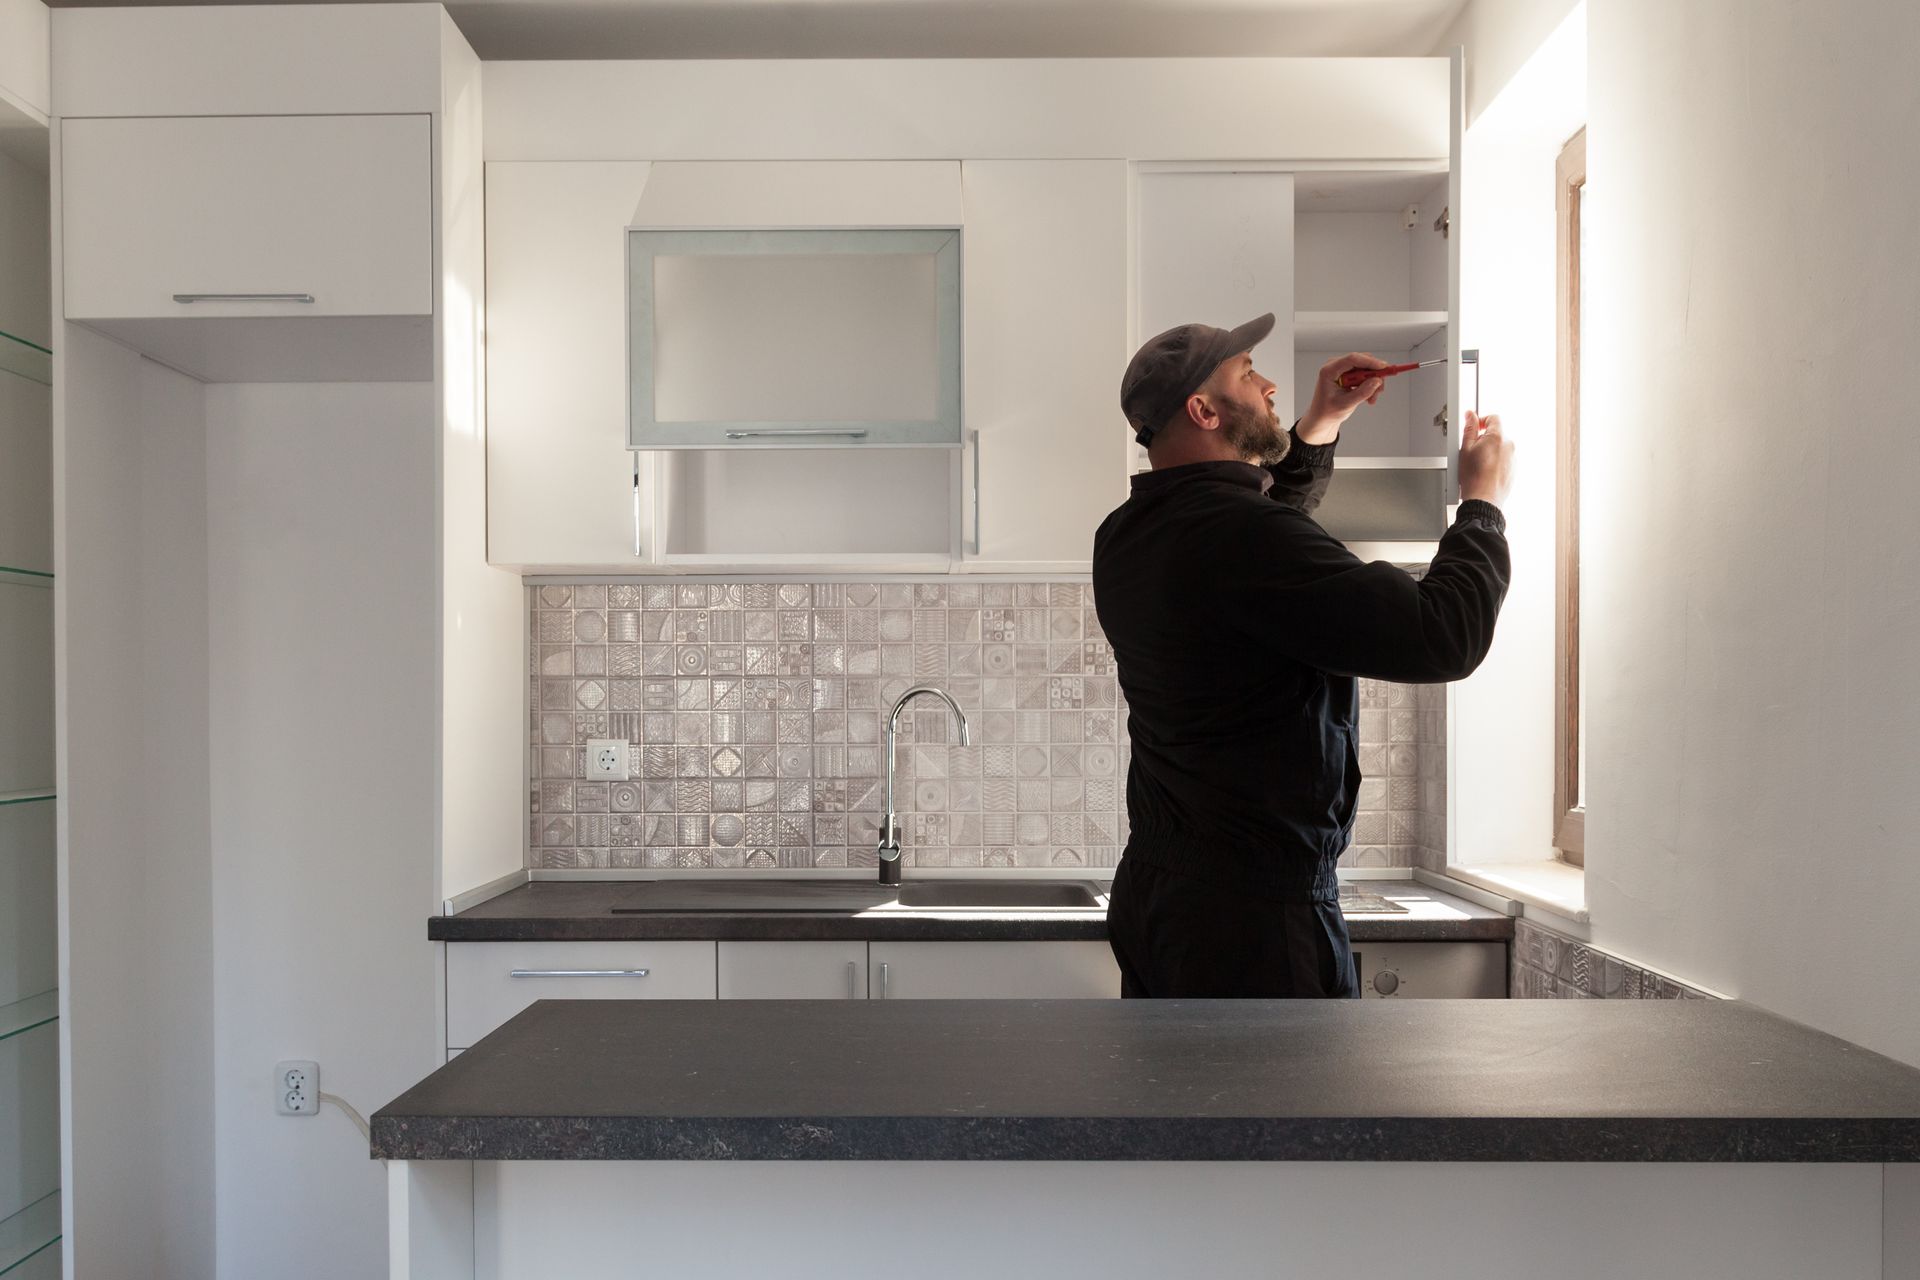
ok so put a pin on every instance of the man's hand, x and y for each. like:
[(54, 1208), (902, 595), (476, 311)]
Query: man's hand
[(1486, 461), (1332, 403)]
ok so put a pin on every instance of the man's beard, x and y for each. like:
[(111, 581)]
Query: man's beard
[(1255, 433)]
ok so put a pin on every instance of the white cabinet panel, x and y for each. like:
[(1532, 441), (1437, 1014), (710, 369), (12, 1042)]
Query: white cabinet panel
[(29, 1120), (560, 482), (28, 903), (26, 686), (1045, 269), (1217, 248), (991, 970), (489, 982), (26, 481), (793, 970), (337, 207)]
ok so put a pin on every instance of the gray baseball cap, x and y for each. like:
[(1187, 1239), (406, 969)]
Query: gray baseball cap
[(1171, 366)]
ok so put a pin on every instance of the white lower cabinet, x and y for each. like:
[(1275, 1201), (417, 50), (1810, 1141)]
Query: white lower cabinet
[(992, 970), (489, 982), (793, 970)]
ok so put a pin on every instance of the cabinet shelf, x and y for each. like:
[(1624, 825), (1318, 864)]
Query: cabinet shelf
[(29, 1231), (28, 359), (1392, 462), (1364, 330), (24, 1015)]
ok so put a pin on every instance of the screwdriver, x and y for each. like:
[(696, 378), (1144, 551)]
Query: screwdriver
[(1354, 377)]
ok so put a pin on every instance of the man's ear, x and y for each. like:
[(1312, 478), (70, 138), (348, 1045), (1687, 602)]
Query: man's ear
[(1202, 415)]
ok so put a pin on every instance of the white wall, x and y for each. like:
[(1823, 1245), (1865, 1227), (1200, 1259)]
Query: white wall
[(1502, 716), (136, 911), (323, 616), (1500, 37), (1752, 539)]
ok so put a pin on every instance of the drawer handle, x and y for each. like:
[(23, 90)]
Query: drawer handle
[(243, 297), (816, 432), (579, 973)]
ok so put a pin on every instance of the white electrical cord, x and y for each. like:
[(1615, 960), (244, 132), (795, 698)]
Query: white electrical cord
[(359, 1121)]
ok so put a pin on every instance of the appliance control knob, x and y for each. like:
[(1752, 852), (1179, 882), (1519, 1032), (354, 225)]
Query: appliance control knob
[(1386, 982)]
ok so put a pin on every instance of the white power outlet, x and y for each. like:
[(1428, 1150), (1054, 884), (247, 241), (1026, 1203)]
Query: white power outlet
[(607, 758), (296, 1088)]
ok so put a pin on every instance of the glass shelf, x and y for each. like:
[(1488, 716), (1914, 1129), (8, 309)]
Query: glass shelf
[(25, 1015), (29, 1231), (29, 360)]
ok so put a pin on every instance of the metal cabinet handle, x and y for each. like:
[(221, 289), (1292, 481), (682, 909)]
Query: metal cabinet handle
[(976, 493), (243, 297), (886, 982), (853, 980), (579, 973), (638, 553), (817, 432)]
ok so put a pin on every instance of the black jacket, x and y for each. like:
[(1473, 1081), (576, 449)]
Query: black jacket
[(1239, 625)]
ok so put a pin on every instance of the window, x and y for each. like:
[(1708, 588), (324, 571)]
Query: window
[(1569, 790)]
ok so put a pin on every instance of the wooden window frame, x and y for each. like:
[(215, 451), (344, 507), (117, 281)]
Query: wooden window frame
[(1569, 817)]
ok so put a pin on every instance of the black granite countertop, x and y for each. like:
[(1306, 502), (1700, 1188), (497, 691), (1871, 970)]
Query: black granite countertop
[(582, 911), (1585, 1080)]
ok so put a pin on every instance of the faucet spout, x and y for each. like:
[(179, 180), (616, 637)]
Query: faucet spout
[(889, 848)]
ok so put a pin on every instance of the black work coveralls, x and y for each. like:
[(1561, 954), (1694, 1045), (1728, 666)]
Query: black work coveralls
[(1239, 627)]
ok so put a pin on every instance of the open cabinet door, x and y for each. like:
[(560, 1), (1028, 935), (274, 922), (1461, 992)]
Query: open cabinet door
[(1456, 137)]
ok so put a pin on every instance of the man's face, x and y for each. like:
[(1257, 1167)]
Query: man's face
[(1248, 423)]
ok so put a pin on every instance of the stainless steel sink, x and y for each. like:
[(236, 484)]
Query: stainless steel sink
[(1011, 895)]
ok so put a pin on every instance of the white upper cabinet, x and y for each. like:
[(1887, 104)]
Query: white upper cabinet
[(1045, 274), (1216, 248), (561, 488), (257, 221), (337, 209)]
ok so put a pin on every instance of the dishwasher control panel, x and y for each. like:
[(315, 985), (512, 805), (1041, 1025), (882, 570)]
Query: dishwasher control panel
[(1431, 970)]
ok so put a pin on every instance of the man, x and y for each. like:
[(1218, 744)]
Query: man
[(1239, 627)]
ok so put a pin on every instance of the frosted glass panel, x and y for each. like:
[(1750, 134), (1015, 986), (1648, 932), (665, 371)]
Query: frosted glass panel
[(783, 339), (795, 337)]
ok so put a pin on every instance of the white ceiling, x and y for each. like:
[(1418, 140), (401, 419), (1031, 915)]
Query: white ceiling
[(520, 29)]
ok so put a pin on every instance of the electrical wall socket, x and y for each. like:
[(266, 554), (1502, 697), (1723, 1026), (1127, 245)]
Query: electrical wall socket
[(607, 758), (296, 1088)]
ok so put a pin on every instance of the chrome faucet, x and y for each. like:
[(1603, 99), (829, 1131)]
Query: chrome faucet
[(889, 849)]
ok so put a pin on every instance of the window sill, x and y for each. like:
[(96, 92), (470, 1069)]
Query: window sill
[(1547, 887)]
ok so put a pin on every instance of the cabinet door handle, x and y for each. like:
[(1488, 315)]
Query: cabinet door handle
[(579, 973), (243, 297), (853, 980), (813, 432), (638, 553), (976, 493), (886, 982)]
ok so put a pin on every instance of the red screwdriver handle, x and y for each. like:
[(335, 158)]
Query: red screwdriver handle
[(1354, 377)]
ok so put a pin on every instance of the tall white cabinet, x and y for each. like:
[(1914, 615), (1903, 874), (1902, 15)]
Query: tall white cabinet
[(29, 998)]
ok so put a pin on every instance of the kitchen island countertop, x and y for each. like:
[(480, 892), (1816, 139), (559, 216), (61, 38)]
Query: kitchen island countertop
[(1435, 1080)]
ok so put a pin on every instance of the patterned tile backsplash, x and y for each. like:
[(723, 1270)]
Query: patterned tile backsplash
[(755, 712), (1548, 965)]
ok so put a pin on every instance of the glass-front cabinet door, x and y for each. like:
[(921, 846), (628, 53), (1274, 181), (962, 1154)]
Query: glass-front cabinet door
[(788, 339)]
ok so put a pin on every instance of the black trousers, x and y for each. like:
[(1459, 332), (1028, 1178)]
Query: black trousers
[(1175, 936)]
